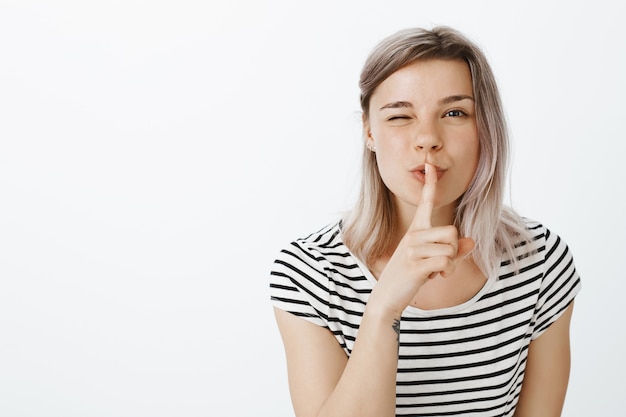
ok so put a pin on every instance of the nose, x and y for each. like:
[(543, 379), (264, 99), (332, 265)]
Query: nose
[(427, 137)]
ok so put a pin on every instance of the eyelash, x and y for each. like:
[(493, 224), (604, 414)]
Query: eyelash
[(460, 113)]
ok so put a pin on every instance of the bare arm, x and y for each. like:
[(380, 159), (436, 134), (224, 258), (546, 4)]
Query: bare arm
[(323, 382), (547, 371)]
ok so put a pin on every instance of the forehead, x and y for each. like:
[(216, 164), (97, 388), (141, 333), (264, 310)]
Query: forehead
[(426, 80)]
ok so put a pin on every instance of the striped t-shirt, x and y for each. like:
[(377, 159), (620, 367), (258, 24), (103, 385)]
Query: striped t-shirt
[(466, 360)]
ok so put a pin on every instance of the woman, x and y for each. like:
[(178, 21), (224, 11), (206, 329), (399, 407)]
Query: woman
[(429, 297)]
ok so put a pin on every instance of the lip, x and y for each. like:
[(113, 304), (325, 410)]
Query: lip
[(419, 172)]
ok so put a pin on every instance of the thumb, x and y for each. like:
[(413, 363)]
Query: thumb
[(465, 246)]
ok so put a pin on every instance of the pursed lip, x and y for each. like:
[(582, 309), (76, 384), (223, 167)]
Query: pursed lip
[(420, 173)]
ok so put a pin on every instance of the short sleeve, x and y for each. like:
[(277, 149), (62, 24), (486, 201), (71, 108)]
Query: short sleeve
[(560, 285), (299, 283)]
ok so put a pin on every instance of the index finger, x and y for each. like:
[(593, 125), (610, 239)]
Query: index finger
[(424, 210)]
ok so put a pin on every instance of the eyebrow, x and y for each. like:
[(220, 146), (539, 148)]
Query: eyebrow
[(397, 105), (455, 97), (446, 100)]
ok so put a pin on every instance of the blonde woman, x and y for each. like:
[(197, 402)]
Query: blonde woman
[(430, 298)]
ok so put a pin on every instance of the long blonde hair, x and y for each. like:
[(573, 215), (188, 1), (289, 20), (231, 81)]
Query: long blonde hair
[(369, 229)]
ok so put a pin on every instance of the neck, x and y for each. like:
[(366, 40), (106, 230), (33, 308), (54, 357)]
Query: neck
[(442, 216)]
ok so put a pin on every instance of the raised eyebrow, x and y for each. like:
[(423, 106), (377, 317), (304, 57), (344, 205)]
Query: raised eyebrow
[(397, 105), (454, 98)]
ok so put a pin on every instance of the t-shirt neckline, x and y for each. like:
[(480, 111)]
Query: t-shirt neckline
[(415, 311)]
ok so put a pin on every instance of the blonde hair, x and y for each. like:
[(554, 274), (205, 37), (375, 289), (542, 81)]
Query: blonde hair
[(369, 229)]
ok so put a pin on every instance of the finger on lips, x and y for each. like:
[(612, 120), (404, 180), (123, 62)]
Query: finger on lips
[(423, 214)]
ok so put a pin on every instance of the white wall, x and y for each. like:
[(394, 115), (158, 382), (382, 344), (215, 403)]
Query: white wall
[(155, 155)]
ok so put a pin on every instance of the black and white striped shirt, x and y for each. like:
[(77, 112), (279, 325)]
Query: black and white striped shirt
[(466, 360)]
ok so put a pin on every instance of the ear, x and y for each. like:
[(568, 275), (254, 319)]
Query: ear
[(367, 132)]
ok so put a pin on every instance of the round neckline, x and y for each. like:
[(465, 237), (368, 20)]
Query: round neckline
[(416, 311)]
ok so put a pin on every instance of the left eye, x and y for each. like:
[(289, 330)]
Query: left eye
[(455, 113)]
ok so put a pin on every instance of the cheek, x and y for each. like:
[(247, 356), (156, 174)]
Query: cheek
[(472, 148), (468, 155), (384, 162), (473, 157), (388, 160)]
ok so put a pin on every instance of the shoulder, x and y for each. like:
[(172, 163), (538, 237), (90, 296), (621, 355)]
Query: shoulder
[(311, 260), (543, 240), (304, 273), (550, 256), (542, 252), (316, 247), (560, 282)]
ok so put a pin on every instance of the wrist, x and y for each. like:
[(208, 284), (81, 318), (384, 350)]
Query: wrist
[(381, 312)]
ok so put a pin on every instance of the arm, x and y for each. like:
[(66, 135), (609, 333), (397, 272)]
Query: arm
[(323, 382), (547, 371)]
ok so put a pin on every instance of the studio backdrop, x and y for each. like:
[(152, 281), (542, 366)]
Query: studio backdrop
[(155, 156)]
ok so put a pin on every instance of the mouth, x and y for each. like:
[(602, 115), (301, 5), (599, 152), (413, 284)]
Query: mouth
[(420, 172)]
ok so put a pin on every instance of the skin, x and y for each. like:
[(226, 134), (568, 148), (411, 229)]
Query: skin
[(547, 371), (435, 127), (425, 113), (422, 113)]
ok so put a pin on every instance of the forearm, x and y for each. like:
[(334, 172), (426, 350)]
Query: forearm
[(367, 386)]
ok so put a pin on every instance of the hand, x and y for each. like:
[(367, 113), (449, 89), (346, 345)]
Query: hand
[(422, 254)]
